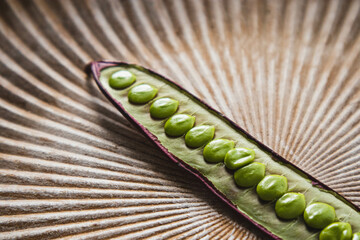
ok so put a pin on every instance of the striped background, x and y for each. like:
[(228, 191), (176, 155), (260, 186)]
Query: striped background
[(72, 167)]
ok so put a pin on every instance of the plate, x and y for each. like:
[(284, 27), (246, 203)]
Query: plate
[(72, 167)]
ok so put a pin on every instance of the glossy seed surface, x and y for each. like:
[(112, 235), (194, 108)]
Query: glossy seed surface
[(250, 175), (290, 205), (121, 79), (272, 187), (356, 236), (163, 108), (319, 215), (336, 231), (179, 124), (216, 150), (239, 157), (199, 136), (142, 93)]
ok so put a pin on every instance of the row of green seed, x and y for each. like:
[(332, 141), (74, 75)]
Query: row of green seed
[(247, 172)]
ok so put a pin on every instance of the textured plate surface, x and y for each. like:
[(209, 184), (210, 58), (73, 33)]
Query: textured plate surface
[(71, 166)]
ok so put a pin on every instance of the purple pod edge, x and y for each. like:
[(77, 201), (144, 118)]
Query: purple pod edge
[(96, 67)]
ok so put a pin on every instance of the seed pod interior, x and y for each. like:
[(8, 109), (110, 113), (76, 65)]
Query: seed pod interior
[(215, 175)]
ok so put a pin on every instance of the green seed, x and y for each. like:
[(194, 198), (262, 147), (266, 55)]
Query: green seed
[(336, 231), (239, 157), (142, 93), (199, 136), (250, 175), (179, 124), (356, 236), (163, 108), (290, 205), (319, 215), (216, 150), (272, 187), (121, 79)]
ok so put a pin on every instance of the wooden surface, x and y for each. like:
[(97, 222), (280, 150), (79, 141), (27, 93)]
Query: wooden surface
[(71, 166)]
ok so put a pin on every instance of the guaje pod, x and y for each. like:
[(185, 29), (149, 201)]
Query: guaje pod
[(214, 175)]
